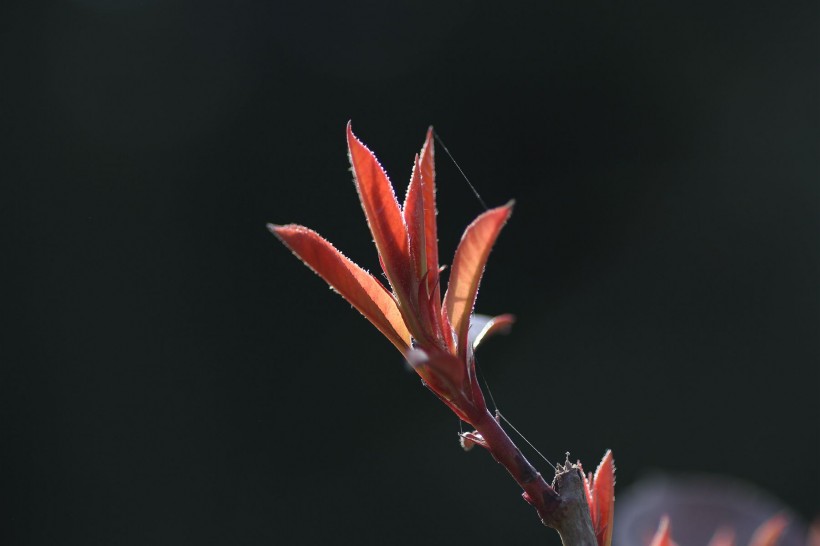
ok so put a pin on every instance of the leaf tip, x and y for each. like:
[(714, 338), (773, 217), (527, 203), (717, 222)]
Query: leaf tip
[(607, 463), (351, 137), (282, 232)]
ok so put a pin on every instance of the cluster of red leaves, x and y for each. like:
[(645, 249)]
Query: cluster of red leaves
[(431, 332)]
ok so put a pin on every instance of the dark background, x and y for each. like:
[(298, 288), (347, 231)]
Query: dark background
[(172, 375)]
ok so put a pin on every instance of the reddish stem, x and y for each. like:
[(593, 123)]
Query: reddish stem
[(537, 491)]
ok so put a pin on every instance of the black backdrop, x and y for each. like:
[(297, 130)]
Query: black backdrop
[(172, 375)]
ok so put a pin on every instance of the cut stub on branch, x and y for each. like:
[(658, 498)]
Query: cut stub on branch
[(571, 517)]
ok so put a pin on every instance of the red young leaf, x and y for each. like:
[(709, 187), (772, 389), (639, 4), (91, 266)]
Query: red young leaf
[(468, 266), (413, 213), (355, 284), (419, 214), (603, 500), (428, 183), (383, 215)]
